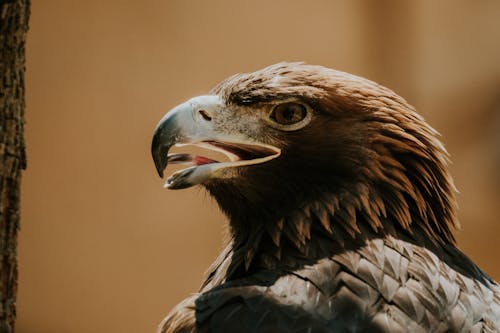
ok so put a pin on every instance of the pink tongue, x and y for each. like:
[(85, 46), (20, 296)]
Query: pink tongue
[(200, 160)]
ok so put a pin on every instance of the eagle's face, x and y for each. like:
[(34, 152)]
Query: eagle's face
[(296, 134), (276, 148)]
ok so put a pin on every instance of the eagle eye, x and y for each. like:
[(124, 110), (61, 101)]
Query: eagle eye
[(290, 116)]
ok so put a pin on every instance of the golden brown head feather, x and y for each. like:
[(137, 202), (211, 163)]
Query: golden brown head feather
[(382, 165)]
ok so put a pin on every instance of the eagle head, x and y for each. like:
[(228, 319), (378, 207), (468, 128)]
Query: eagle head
[(308, 140)]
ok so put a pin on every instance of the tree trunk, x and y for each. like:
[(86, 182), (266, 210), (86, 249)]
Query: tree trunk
[(14, 15)]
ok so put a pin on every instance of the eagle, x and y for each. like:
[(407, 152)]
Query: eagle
[(340, 204)]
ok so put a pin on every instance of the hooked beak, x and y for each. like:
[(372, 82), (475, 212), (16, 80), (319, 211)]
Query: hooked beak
[(193, 123)]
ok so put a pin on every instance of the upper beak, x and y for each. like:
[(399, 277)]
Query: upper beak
[(183, 124), (191, 123), (165, 136)]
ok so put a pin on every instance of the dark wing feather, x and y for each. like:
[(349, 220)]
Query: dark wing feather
[(387, 286), (181, 319)]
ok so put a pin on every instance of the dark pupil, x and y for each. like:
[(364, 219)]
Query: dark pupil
[(289, 113)]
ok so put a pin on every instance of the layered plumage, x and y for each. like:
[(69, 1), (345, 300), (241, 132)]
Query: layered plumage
[(346, 226)]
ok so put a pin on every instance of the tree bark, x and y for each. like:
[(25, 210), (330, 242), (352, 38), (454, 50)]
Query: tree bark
[(14, 15)]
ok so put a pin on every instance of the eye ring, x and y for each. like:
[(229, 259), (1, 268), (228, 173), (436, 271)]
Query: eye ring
[(290, 116)]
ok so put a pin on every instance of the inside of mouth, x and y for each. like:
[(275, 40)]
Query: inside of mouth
[(200, 160), (244, 152), (190, 159), (235, 152)]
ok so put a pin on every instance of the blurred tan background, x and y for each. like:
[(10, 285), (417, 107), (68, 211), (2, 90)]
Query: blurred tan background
[(103, 247)]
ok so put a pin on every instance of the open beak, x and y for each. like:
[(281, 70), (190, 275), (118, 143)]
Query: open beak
[(193, 123)]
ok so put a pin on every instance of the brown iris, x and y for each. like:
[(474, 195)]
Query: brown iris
[(288, 113)]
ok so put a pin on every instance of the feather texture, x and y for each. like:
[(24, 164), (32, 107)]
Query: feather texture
[(350, 230)]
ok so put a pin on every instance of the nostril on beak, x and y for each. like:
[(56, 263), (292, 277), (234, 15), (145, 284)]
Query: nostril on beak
[(205, 115)]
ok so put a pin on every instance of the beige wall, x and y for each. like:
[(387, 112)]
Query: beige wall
[(103, 248)]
